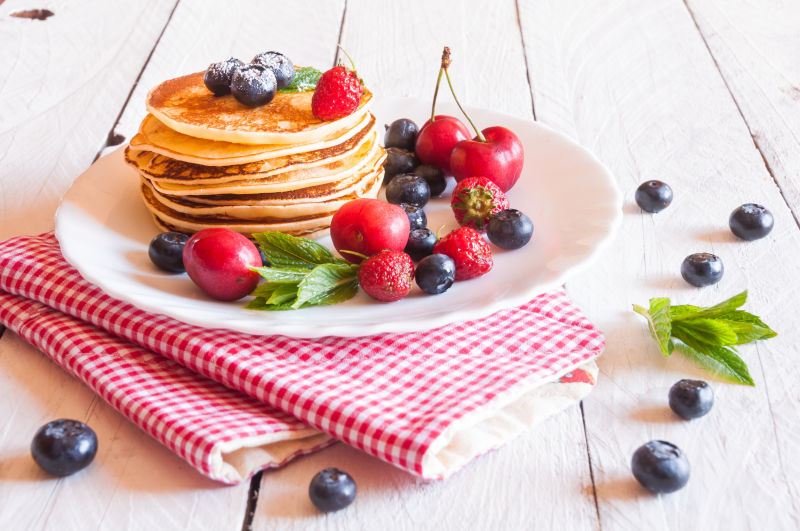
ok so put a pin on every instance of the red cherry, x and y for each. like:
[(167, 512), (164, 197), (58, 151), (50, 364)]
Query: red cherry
[(219, 260), (437, 138), (368, 226), (500, 158)]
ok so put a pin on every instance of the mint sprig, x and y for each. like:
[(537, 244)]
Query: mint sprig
[(708, 336), (305, 80), (302, 273)]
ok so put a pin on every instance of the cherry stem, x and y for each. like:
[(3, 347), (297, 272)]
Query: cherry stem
[(477, 131), (348, 57), (436, 93)]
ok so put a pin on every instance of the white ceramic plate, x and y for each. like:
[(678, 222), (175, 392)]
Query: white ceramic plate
[(104, 231)]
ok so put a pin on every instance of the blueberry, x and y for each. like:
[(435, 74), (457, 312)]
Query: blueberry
[(166, 251), (62, 447), (416, 216), (653, 196), (435, 177), (691, 399), (331, 490), (408, 188), (509, 229), (420, 243), (398, 161), (401, 133), (218, 76), (702, 269), (751, 221), (435, 273), (280, 65), (660, 467), (253, 85)]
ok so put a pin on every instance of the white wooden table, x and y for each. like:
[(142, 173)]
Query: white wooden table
[(703, 94)]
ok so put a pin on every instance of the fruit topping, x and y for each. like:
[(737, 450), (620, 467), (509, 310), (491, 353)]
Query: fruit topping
[(416, 216), (660, 467), (367, 226), (420, 243), (470, 252), (218, 76), (398, 161), (435, 273), (653, 196), (219, 260), (475, 200), (331, 490), (691, 399), (281, 67), (435, 177), (253, 85), (408, 188), (751, 221), (702, 269), (401, 133), (509, 229), (166, 251), (437, 138), (387, 276), (338, 93), (64, 446)]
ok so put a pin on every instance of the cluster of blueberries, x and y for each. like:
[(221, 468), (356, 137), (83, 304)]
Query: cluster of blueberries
[(251, 84), (749, 222)]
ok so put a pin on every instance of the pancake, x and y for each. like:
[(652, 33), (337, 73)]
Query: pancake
[(156, 137), (184, 104)]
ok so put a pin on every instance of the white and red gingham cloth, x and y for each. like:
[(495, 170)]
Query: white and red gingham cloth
[(426, 402)]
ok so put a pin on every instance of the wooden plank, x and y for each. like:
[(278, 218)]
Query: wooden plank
[(548, 465), (634, 82), (755, 48)]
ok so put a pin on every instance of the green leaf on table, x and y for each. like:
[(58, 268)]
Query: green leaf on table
[(659, 321), (305, 80), (710, 331), (724, 361), (285, 251), (712, 311), (323, 279)]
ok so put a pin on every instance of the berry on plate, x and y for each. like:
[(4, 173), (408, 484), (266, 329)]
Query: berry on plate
[(420, 243), (653, 196), (166, 251), (691, 399), (64, 446), (398, 160), (509, 229), (470, 252), (416, 216), (660, 467), (387, 276), (751, 222), (475, 200), (435, 273), (401, 133), (332, 489), (409, 189), (702, 269), (337, 95), (435, 177)]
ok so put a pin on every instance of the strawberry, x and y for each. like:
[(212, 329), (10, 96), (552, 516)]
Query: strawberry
[(475, 200), (337, 95), (387, 276), (468, 249)]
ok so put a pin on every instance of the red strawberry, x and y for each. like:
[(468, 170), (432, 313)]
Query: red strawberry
[(387, 276), (337, 95), (475, 200), (468, 249)]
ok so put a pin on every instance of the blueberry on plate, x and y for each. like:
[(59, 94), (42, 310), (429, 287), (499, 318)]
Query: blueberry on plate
[(64, 446), (435, 273), (435, 177), (691, 399), (408, 188), (331, 489), (401, 133), (281, 66), (509, 229), (420, 243), (253, 85), (416, 216), (218, 76), (398, 161), (653, 196), (660, 467), (166, 251), (751, 222), (702, 269)]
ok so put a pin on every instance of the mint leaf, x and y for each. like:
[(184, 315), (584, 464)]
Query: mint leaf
[(659, 321), (305, 80), (323, 279), (746, 317), (285, 251), (713, 311), (283, 293), (281, 275), (724, 361), (342, 292), (710, 331)]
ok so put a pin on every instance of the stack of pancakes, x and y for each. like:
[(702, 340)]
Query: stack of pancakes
[(209, 161)]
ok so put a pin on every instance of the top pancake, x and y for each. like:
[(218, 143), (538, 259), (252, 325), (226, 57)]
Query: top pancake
[(187, 106)]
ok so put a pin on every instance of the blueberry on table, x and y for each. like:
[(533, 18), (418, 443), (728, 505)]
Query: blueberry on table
[(253, 85), (702, 269), (420, 243), (402, 134), (434, 176), (166, 251), (509, 229), (398, 161), (653, 196), (281, 66), (408, 188), (218, 76), (64, 446), (691, 399), (751, 222), (660, 467), (416, 216), (435, 273), (331, 489)]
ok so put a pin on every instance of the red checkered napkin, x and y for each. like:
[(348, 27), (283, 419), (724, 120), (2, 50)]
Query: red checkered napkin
[(426, 402)]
